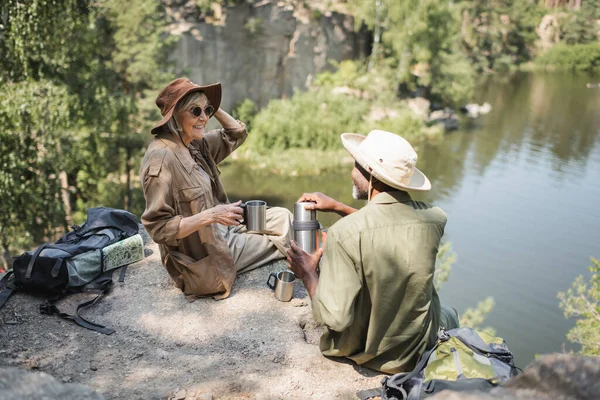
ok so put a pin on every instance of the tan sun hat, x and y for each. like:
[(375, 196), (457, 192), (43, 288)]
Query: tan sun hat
[(174, 91), (388, 157)]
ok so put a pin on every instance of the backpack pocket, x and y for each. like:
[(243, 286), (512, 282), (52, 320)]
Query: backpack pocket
[(466, 385), (453, 360), (48, 275)]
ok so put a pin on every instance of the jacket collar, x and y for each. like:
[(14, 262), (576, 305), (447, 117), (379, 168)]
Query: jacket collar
[(393, 196), (178, 148)]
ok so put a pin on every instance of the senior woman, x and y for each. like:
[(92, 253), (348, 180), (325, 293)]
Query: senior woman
[(202, 244)]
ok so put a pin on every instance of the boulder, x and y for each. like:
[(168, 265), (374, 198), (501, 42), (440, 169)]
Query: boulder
[(261, 50), (551, 377), (17, 383), (420, 106), (446, 117)]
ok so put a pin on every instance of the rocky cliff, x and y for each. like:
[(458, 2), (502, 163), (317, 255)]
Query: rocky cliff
[(260, 50)]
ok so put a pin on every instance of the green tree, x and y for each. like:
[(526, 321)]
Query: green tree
[(580, 26), (422, 39), (137, 52), (582, 300), (33, 118), (499, 34), (92, 62)]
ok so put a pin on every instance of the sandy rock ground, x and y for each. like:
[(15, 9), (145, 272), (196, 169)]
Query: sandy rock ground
[(249, 346)]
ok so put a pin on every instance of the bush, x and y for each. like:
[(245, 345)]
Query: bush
[(348, 100), (245, 112), (311, 119), (315, 120), (583, 301), (572, 57)]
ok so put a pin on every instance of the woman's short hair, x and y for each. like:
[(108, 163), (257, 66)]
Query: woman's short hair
[(182, 104)]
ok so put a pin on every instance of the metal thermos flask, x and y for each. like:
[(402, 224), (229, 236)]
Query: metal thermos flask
[(306, 227)]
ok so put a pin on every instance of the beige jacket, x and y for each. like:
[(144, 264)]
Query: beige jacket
[(175, 187)]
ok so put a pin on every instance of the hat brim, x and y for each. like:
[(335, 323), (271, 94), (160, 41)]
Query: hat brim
[(212, 93), (418, 181)]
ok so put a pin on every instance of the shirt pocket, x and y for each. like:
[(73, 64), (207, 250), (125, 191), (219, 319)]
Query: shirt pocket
[(191, 201)]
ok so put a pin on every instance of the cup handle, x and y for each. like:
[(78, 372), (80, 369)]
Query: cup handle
[(244, 215), (273, 275)]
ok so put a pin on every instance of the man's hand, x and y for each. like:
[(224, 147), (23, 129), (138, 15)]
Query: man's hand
[(304, 266), (321, 202)]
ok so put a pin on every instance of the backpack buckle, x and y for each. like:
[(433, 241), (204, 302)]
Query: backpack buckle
[(47, 308), (443, 335)]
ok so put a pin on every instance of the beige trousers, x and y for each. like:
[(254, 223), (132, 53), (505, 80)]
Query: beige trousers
[(251, 250)]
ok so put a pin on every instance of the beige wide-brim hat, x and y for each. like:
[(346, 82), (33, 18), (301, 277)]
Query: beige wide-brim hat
[(388, 157)]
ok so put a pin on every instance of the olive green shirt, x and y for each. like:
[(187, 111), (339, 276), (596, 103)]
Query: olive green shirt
[(375, 291)]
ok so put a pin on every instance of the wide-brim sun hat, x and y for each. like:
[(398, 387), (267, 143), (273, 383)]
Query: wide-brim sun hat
[(388, 157), (176, 90)]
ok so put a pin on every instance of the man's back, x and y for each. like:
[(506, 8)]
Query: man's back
[(375, 290)]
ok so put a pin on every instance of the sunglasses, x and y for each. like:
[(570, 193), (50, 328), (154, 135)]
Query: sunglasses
[(208, 110)]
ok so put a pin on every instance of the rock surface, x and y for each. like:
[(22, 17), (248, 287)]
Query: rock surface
[(19, 384), (261, 50), (247, 346)]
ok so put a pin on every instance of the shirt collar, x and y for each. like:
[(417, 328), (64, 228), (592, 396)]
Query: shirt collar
[(393, 196), (181, 152)]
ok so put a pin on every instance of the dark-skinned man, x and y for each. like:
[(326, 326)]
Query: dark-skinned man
[(374, 291)]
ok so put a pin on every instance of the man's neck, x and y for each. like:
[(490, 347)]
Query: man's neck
[(374, 192)]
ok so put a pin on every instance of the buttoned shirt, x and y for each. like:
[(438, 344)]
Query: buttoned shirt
[(179, 182), (375, 292)]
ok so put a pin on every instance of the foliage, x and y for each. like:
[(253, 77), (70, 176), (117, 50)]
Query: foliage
[(580, 27), (475, 317), (254, 25), (446, 257), (245, 112), (572, 57), (311, 119), (33, 118), (421, 37), (37, 37), (374, 85), (499, 34), (84, 67), (350, 99), (582, 300)]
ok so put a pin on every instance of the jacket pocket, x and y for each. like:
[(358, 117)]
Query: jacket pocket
[(191, 201), (200, 277)]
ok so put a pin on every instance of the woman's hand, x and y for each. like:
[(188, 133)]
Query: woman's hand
[(226, 120), (226, 214)]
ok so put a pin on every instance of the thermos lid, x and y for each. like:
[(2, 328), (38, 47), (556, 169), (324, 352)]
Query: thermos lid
[(301, 214)]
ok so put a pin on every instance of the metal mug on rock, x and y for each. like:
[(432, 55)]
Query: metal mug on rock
[(255, 215), (283, 284)]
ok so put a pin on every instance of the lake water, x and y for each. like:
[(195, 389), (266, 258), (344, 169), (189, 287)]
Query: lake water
[(521, 187)]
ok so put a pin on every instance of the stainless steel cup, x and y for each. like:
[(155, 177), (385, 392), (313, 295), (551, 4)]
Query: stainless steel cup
[(283, 284), (306, 227), (255, 215)]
